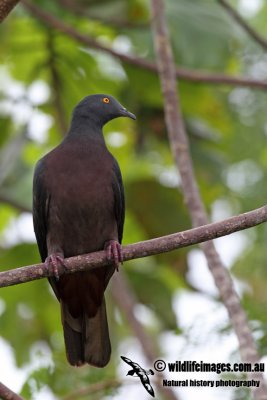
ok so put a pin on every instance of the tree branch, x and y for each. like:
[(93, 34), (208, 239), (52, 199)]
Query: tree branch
[(6, 6), (240, 20), (8, 394), (141, 249), (182, 73), (180, 149)]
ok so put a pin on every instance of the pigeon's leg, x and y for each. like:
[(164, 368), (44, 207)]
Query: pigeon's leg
[(53, 262), (114, 252)]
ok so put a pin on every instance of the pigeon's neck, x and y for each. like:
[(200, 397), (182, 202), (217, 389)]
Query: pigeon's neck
[(86, 128)]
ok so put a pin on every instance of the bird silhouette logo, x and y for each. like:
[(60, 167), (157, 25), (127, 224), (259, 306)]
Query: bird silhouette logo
[(139, 372)]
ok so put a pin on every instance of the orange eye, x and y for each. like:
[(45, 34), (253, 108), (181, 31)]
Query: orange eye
[(105, 100)]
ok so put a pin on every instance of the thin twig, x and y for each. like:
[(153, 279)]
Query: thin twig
[(117, 22), (180, 149), (124, 296), (221, 79), (240, 20), (8, 394), (56, 84), (6, 6), (141, 249), (182, 73)]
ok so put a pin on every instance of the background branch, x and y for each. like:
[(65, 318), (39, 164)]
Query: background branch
[(240, 20), (8, 394), (6, 6), (7, 199), (141, 249), (82, 11), (56, 84), (180, 149), (182, 73), (125, 298)]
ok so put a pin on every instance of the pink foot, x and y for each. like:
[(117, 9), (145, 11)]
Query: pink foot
[(114, 252), (53, 262)]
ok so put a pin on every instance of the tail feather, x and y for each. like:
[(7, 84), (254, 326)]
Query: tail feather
[(86, 338), (74, 345)]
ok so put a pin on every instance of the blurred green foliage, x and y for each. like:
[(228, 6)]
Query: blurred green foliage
[(44, 73)]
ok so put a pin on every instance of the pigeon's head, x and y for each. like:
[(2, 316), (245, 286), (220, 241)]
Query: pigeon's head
[(101, 108)]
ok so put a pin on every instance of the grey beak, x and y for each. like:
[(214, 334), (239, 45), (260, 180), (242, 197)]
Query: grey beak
[(126, 113)]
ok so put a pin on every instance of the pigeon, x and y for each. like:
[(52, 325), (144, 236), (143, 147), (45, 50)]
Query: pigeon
[(78, 208)]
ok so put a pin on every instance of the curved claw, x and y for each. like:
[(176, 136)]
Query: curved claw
[(114, 252), (53, 262)]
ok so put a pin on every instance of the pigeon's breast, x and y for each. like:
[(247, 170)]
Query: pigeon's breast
[(81, 209)]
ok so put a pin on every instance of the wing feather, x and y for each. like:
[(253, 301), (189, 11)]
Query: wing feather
[(41, 201), (119, 201)]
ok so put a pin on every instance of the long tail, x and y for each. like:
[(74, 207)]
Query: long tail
[(86, 338)]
